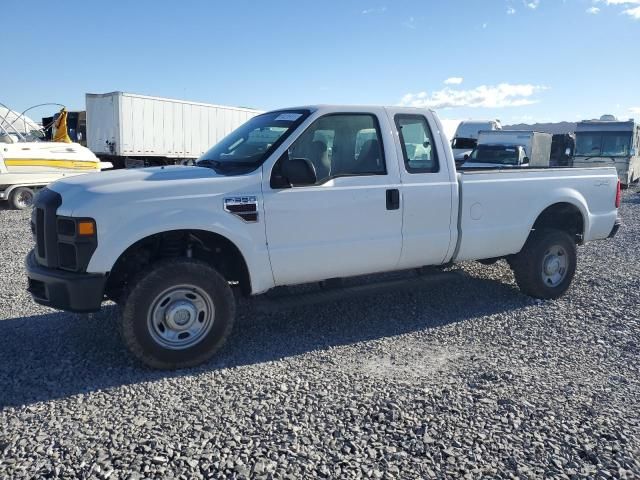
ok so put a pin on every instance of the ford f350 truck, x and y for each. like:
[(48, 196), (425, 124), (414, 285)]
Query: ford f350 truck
[(299, 196)]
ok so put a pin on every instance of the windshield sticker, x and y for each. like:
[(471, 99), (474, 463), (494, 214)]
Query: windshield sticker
[(288, 117)]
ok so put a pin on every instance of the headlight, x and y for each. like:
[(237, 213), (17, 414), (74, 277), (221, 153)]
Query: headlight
[(77, 240)]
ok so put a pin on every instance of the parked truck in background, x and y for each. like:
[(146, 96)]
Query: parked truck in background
[(300, 196), (466, 137), (609, 142), (132, 130), (562, 147), (510, 148)]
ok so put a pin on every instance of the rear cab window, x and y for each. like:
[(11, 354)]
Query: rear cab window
[(418, 147)]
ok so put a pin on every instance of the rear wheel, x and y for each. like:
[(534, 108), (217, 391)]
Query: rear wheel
[(178, 314), (22, 198), (546, 265)]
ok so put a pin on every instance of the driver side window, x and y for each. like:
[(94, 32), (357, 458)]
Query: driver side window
[(341, 145)]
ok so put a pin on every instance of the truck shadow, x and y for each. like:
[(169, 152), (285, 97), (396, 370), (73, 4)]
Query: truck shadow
[(57, 355)]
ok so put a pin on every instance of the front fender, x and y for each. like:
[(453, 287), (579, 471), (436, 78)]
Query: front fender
[(115, 235)]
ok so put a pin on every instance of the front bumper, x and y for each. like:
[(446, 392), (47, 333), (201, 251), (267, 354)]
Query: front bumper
[(70, 291), (616, 227)]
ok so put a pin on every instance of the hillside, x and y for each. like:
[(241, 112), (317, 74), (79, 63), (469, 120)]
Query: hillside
[(560, 127)]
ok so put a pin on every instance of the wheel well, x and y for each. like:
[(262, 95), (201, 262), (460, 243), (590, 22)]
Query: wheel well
[(562, 216), (209, 247)]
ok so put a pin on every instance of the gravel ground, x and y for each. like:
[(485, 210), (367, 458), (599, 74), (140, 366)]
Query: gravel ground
[(466, 378)]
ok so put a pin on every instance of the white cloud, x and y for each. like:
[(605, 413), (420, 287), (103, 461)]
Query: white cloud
[(635, 110), (487, 96), (633, 12), (533, 4), (485, 25), (374, 10), (631, 7), (411, 23), (453, 81), (593, 10), (511, 11)]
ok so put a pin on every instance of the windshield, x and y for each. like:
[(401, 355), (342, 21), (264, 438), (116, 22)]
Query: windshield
[(468, 143), (603, 144), (251, 143), (501, 154)]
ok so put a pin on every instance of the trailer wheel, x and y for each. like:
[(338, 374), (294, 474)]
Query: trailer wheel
[(546, 265), (21, 198), (178, 314)]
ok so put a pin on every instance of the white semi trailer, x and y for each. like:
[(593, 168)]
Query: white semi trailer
[(137, 130)]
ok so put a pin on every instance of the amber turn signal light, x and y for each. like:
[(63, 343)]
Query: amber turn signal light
[(86, 228)]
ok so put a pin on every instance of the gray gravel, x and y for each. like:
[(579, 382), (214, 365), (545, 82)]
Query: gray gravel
[(467, 378)]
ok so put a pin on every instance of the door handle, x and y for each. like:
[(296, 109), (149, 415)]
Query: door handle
[(393, 199)]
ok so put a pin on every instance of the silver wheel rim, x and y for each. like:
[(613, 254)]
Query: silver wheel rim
[(554, 266), (180, 317), (24, 199)]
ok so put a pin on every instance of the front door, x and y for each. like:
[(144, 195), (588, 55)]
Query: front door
[(349, 222)]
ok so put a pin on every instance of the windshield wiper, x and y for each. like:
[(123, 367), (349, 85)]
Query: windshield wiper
[(208, 163), (221, 165)]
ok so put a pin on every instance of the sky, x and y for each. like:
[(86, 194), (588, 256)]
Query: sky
[(515, 60)]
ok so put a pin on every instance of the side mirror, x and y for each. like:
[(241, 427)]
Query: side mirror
[(525, 160), (299, 172), (466, 157)]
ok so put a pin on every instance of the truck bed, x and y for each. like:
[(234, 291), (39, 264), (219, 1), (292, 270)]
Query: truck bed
[(499, 207)]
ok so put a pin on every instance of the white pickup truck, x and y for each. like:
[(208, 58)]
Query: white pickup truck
[(297, 196)]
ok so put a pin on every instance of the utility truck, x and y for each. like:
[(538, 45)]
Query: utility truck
[(306, 195), (609, 142), (510, 148)]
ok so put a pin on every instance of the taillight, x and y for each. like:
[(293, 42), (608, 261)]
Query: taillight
[(618, 195)]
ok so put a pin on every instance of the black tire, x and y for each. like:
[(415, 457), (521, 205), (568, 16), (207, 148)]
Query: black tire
[(529, 265), (21, 198), (140, 331)]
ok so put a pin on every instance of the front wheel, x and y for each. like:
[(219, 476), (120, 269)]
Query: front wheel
[(22, 198), (178, 314), (546, 265)]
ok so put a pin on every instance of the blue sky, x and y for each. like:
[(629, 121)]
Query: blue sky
[(517, 60)]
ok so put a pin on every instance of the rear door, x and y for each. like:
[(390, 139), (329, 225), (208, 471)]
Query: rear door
[(429, 189), (350, 221)]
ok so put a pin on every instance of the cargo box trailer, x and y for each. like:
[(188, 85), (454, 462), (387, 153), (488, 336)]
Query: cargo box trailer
[(137, 130)]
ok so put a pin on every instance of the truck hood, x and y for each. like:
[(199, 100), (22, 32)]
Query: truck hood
[(126, 188), (459, 153)]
